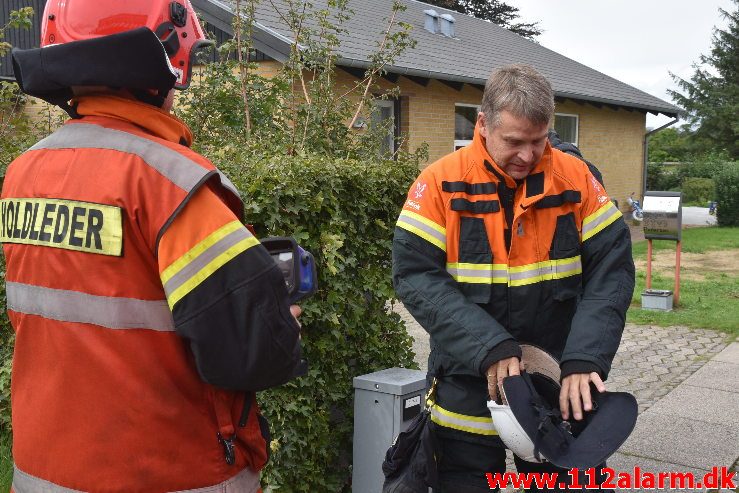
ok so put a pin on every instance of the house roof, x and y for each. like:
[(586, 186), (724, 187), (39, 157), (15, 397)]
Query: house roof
[(478, 47)]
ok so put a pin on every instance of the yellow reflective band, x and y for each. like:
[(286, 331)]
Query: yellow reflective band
[(515, 276), (478, 273), (426, 221), (595, 215), (210, 268), (544, 271), (195, 251), (423, 227), (478, 425), (599, 220), (66, 224)]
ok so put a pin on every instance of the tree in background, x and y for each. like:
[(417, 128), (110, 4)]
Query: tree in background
[(494, 11), (670, 145), (712, 94), (16, 132), (289, 143)]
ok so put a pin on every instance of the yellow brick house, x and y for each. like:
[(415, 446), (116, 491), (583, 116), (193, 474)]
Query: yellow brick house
[(441, 80)]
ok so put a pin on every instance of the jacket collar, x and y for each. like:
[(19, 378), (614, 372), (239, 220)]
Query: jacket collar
[(535, 185), (151, 119)]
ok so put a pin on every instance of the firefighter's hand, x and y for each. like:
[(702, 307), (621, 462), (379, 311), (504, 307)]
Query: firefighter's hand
[(498, 371), (576, 393)]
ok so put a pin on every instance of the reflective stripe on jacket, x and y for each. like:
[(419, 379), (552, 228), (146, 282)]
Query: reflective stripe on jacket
[(116, 334), (479, 259)]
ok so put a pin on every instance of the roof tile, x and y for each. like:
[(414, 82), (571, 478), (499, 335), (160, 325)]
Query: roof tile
[(479, 47)]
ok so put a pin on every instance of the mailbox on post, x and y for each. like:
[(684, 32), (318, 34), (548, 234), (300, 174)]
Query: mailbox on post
[(663, 218), (663, 213)]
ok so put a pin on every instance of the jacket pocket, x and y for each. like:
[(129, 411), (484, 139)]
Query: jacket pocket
[(565, 252), (474, 248)]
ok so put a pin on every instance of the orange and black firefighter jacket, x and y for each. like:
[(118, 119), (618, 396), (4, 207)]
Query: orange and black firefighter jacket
[(484, 263), (145, 313)]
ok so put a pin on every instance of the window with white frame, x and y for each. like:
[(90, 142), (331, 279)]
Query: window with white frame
[(566, 125), (465, 117), (384, 114)]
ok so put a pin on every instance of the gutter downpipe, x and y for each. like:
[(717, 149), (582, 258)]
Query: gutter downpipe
[(646, 154)]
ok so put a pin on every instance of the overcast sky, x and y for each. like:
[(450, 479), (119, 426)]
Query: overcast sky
[(636, 41)]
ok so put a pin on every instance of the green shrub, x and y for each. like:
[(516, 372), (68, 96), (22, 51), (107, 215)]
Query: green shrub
[(6, 356), (344, 212), (15, 135), (703, 166), (699, 190), (304, 171), (658, 178), (727, 195)]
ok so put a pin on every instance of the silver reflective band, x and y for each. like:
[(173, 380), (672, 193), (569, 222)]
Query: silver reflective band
[(183, 172), (73, 306), (427, 231), (246, 481), (25, 483), (598, 221), (471, 424), (547, 270), (206, 257), (515, 276), (478, 273)]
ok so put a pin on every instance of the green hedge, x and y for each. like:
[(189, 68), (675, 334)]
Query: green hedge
[(344, 212), (703, 165), (727, 195), (699, 190), (6, 359), (6, 355)]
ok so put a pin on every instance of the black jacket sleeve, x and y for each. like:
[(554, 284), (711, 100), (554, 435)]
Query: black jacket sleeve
[(457, 325), (239, 325), (608, 284)]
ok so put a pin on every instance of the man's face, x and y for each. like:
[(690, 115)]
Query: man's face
[(516, 144)]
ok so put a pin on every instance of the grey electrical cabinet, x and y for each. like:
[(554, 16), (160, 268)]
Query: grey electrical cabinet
[(384, 404)]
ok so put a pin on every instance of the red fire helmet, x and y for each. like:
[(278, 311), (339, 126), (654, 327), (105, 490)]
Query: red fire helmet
[(174, 22)]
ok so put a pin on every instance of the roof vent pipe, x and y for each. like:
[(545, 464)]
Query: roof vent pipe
[(431, 21), (447, 25)]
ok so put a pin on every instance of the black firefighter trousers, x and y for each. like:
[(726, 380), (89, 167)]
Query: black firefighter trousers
[(463, 466)]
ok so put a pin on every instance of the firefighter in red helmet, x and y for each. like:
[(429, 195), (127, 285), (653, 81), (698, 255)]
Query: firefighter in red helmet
[(146, 314)]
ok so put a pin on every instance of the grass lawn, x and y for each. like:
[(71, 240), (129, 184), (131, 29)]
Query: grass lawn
[(695, 240), (710, 300)]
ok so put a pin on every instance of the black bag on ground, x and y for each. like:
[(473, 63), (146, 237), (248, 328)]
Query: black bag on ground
[(410, 463)]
